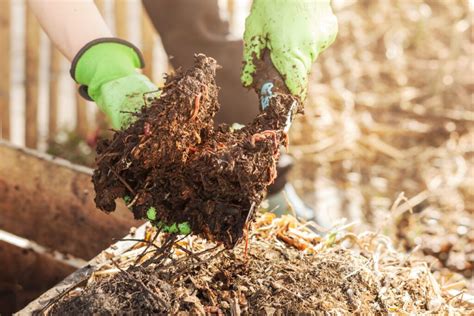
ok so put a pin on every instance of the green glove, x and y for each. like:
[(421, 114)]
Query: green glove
[(295, 32), (106, 68)]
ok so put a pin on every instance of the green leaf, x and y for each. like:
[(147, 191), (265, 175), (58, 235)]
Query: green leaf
[(151, 213), (127, 199)]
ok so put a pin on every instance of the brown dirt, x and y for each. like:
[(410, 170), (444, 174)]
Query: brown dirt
[(174, 159), (288, 270)]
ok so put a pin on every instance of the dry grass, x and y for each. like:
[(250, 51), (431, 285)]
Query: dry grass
[(391, 112)]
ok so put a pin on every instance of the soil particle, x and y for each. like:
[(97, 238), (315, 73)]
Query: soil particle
[(174, 159)]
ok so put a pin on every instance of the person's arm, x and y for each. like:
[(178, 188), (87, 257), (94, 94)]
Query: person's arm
[(104, 66), (70, 24)]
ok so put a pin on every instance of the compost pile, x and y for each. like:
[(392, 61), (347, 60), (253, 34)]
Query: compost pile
[(174, 159), (287, 269)]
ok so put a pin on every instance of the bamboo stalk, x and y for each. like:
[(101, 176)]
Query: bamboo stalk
[(148, 40), (82, 125), (100, 121), (54, 70), (231, 12), (100, 5), (31, 80), (121, 18), (5, 69)]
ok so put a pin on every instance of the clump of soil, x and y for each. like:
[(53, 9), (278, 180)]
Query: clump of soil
[(288, 270), (174, 159)]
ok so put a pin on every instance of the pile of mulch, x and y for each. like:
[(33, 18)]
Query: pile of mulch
[(286, 269), (175, 160)]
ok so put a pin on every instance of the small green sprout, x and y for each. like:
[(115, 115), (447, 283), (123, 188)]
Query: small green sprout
[(184, 228), (172, 229), (127, 199), (181, 228), (151, 213)]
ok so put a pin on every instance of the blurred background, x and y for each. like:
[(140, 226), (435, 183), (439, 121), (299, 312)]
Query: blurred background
[(387, 139), (388, 131)]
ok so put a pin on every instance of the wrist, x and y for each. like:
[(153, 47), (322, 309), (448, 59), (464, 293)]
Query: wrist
[(103, 60)]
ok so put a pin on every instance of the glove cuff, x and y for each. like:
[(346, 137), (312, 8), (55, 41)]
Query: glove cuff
[(103, 60)]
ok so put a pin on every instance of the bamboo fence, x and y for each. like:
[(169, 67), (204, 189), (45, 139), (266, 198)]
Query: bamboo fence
[(34, 61)]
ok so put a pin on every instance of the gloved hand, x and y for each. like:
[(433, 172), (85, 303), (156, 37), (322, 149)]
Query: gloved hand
[(294, 31), (106, 69)]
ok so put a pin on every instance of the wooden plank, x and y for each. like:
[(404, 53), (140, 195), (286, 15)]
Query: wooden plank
[(82, 122), (5, 69), (31, 79), (51, 201), (100, 120), (55, 71), (148, 42), (121, 20), (82, 125), (231, 12), (27, 271)]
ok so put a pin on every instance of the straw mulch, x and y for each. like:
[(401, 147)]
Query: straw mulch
[(391, 112), (287, 269)]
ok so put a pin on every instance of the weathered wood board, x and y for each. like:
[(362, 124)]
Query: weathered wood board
[(27, 270), (51, 202)]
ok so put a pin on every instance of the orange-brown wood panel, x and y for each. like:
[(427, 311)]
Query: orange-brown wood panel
[(100, 120), (82, 124), (121, 18), (100, 5), (54, 70), (25, 274), (5, 69), (231, 10), (148, 41), (31, 79)]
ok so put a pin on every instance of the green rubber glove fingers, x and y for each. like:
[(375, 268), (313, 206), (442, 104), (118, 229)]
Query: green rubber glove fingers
[(106, 69), (122, 97), (294, 31)]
